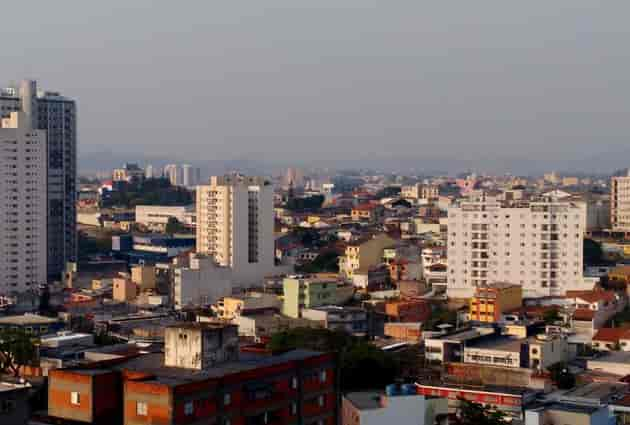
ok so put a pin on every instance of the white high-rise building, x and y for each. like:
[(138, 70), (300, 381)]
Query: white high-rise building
[(23, 161), (173, 173), (149, 172), (191, 176), (537, 244), (620, 203), (57, 115), (235, 225)]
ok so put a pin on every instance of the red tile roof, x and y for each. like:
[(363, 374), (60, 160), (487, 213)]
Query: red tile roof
[(611, 334), (592, 296)]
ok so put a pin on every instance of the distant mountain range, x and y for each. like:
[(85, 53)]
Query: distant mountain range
[(602, 164)]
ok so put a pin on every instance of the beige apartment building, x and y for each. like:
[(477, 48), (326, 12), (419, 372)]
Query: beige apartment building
[(235, 226), (23, 184), (419, 191), (536, 244), (620, 203)]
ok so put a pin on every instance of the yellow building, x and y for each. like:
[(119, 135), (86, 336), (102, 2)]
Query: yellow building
[(124, 289), (367, 212), (491, 301), (143, 276), (364, 254)]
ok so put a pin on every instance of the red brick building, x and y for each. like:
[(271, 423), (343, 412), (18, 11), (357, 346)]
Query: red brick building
[(297, 387), (408, 311)]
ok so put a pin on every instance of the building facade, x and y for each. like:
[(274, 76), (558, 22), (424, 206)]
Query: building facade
[(620, 203), (297, 387), (56, 115), (235, 225), (492, 301), (23, 161), (536, 244)]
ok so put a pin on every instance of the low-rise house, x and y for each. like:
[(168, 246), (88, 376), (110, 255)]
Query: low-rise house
[(404, 407), (615, 362), (403, 269), (370, 278), (567, 413), (353, 320), (511, 400), (532, 353), (491, 302), (609, 339), (32, 324), (369, 213), (364, 254), (248, 304), (262, 326), (408, 311), (408, 331), (14, 403)]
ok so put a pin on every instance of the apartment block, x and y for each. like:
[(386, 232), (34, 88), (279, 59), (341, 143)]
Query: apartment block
[(420, 191), (180, 387), (23, 165), (235, 226), (492, 301), (536, 244), (301, 292), (57, 115), (620, 203)]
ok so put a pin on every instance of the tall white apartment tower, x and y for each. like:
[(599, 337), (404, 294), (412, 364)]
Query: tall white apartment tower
[(56, 115), (620, 203), (235, 225), (190, 175), (23, 160), (173, 173), (537, 244)]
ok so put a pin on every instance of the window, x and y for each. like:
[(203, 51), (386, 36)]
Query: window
[(227, 399), (189, 408), (142, 409), (321, 401), (75, 398), (322, 376), (294, 383)]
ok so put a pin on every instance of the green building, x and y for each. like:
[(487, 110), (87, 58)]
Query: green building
[(303, 292)]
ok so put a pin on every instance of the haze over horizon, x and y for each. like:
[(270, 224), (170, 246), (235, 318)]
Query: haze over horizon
[(346, 80)]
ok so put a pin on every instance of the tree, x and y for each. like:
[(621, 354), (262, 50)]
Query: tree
[(561, 376), (325, 262), (17, 349), (551, 316), (362, 365), (172, 226), (471, 413), (593, 253)]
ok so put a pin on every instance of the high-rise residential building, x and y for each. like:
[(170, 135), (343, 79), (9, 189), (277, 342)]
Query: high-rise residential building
[(128, 173), (23, 159), (149, 172), (235, 225), (537, 244), (173, 173), (57, 115), (620, 203), (191, 176)]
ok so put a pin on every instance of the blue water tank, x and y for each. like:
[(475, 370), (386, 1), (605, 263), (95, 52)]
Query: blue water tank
[(409, 389), (392, 390)]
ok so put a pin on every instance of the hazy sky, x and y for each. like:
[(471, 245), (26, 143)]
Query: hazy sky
[(332, 78)]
